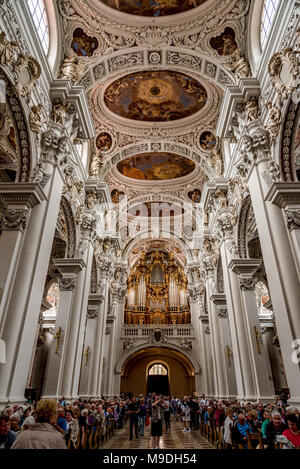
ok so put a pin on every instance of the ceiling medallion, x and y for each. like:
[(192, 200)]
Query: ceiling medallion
[(154, 8), (155, 96)]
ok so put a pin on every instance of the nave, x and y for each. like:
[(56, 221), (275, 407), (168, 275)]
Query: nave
[(173, 439)]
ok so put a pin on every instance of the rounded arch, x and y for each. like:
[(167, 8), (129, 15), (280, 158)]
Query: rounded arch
[(24, 162), (131, 244), (253, 34), (131, 355), (55, 36)]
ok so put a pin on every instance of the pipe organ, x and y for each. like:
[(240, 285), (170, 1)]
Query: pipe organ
[(156, 291)]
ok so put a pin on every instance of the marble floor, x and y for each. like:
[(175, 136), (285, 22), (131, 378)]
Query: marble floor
[(174, 439)]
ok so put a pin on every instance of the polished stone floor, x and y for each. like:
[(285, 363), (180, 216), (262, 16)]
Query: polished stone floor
[(174, 439)]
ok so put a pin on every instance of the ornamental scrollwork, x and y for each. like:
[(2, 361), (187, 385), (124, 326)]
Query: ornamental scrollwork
[(67, 284), (247, 283)]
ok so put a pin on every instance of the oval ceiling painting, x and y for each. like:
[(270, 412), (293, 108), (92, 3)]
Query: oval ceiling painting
[(155, 96), (155, 166), (153, 7)]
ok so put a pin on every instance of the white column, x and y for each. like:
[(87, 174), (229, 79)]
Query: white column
[(57, 358), (205, 357), (74, 350), (226, 345), (240, 346), (281, 271)]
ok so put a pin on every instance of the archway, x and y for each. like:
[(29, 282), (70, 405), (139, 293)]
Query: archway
[(158, 379), (179, 380)]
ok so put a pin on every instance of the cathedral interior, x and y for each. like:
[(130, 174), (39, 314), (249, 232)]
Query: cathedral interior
[(149, 198)]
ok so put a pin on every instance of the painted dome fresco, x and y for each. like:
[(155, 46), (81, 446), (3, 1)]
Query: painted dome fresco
[(155, 96), (153, 7), (156, 166)]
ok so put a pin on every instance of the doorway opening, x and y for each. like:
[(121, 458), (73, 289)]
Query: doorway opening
[(158, 379)]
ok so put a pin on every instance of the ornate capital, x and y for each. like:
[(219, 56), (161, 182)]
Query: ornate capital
[(247, 283), (91, 313), (14, 219), (293, 219), (226, 221), (207, 330), (222, 312), (66, 284)]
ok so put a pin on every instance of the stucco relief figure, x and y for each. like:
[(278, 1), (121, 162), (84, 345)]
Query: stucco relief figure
[(60, 112), (251, 108), (238, 65), (8, 51), (36, 120), (274, 121), (72, 69), (217, 162), (96, 165), (221, 197)]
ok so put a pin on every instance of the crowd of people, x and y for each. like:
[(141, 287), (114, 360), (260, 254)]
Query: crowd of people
[(59, 425)]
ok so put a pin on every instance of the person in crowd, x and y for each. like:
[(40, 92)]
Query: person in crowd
[(167, 413), (275, 427), (266, 420), (26, 414), (61, 421), (174, 406), (156, 421), (239, 430), (43, 434), (186, 415), (28, 422), (142, 412), (253, 421), (133, 410), (220, 414), (228, 427), (292, 433), (14, 423), (7, 436)]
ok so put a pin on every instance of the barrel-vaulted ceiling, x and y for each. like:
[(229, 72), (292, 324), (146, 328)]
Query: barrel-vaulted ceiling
[(155, 74)]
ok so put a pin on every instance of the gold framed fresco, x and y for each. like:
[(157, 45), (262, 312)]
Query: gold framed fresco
[(155, 96), (156, 166), (153, 7)]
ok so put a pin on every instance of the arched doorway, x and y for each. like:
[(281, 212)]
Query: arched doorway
[(179, 380), (158, 379)]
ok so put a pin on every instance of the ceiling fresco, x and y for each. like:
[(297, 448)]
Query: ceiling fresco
[(155, 96), (153, 7), (156, 166)]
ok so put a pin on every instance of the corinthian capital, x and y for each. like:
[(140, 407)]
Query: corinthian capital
[(293, 219), (14, 219)]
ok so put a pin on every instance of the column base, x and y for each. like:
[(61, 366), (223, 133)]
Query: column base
[(12, 400)]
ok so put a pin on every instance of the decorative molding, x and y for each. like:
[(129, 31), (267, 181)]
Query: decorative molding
[(247, 283)]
